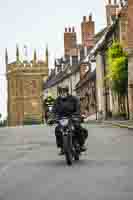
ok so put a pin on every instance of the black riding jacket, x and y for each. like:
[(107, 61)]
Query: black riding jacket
[(69, 105)]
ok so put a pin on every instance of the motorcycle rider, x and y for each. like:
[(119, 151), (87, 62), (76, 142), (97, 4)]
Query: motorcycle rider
[(66, 105)]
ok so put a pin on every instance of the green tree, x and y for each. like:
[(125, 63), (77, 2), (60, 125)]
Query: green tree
[(117, 72)]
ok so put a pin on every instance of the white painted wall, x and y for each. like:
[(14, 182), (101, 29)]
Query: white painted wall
[(100, 83)]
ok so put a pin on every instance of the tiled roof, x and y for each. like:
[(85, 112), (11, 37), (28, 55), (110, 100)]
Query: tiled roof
[(57, 78), (99, 34)]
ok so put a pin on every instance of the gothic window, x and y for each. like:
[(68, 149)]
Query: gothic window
[(11, 84), (21, 86), (17, 88), (74, 60), (82, 53), (33, 82)]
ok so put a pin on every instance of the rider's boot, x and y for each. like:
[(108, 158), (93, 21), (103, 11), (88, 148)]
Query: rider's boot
[(61, 152), (83, 148)]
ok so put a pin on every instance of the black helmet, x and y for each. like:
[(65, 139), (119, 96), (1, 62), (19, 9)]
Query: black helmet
[(63, 89)]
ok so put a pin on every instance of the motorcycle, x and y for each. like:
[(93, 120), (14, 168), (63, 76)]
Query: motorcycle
[(71, 145)]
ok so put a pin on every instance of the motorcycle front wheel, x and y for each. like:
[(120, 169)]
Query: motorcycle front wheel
[(67, 149)]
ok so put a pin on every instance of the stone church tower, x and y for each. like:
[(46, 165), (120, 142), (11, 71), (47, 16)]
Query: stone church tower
[(25, 86)]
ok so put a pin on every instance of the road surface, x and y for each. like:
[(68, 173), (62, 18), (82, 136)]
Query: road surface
[(30, 168)]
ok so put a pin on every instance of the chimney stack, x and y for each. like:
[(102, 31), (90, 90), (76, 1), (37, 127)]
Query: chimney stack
[(88, 31), (111, 11), (70, 41)]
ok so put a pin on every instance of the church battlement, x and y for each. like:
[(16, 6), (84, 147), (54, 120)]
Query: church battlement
[(33, 65)]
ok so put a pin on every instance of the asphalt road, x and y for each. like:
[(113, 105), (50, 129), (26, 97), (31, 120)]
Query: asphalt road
[(30, 168)]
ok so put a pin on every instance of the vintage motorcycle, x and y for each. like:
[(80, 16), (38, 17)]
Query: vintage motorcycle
[(71, 145)]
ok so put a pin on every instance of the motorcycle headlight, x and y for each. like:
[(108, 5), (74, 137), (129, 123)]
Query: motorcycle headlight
[(64, 122), (73, 128)]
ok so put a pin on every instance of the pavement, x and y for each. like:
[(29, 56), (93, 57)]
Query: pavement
[(118, 123), (123, 124), (30, 168)]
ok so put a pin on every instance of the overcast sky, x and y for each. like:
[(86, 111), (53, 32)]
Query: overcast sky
[(36, 23)]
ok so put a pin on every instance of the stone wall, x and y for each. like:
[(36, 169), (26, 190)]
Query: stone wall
[(25, 83)]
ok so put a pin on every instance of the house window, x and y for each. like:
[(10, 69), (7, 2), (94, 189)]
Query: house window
[(123, 27), (74, 60)]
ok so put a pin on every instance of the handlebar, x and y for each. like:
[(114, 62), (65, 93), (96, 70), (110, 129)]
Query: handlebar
[(72, 117)]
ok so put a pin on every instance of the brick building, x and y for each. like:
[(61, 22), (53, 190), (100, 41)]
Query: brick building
[(86, 89), (116, 29)]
